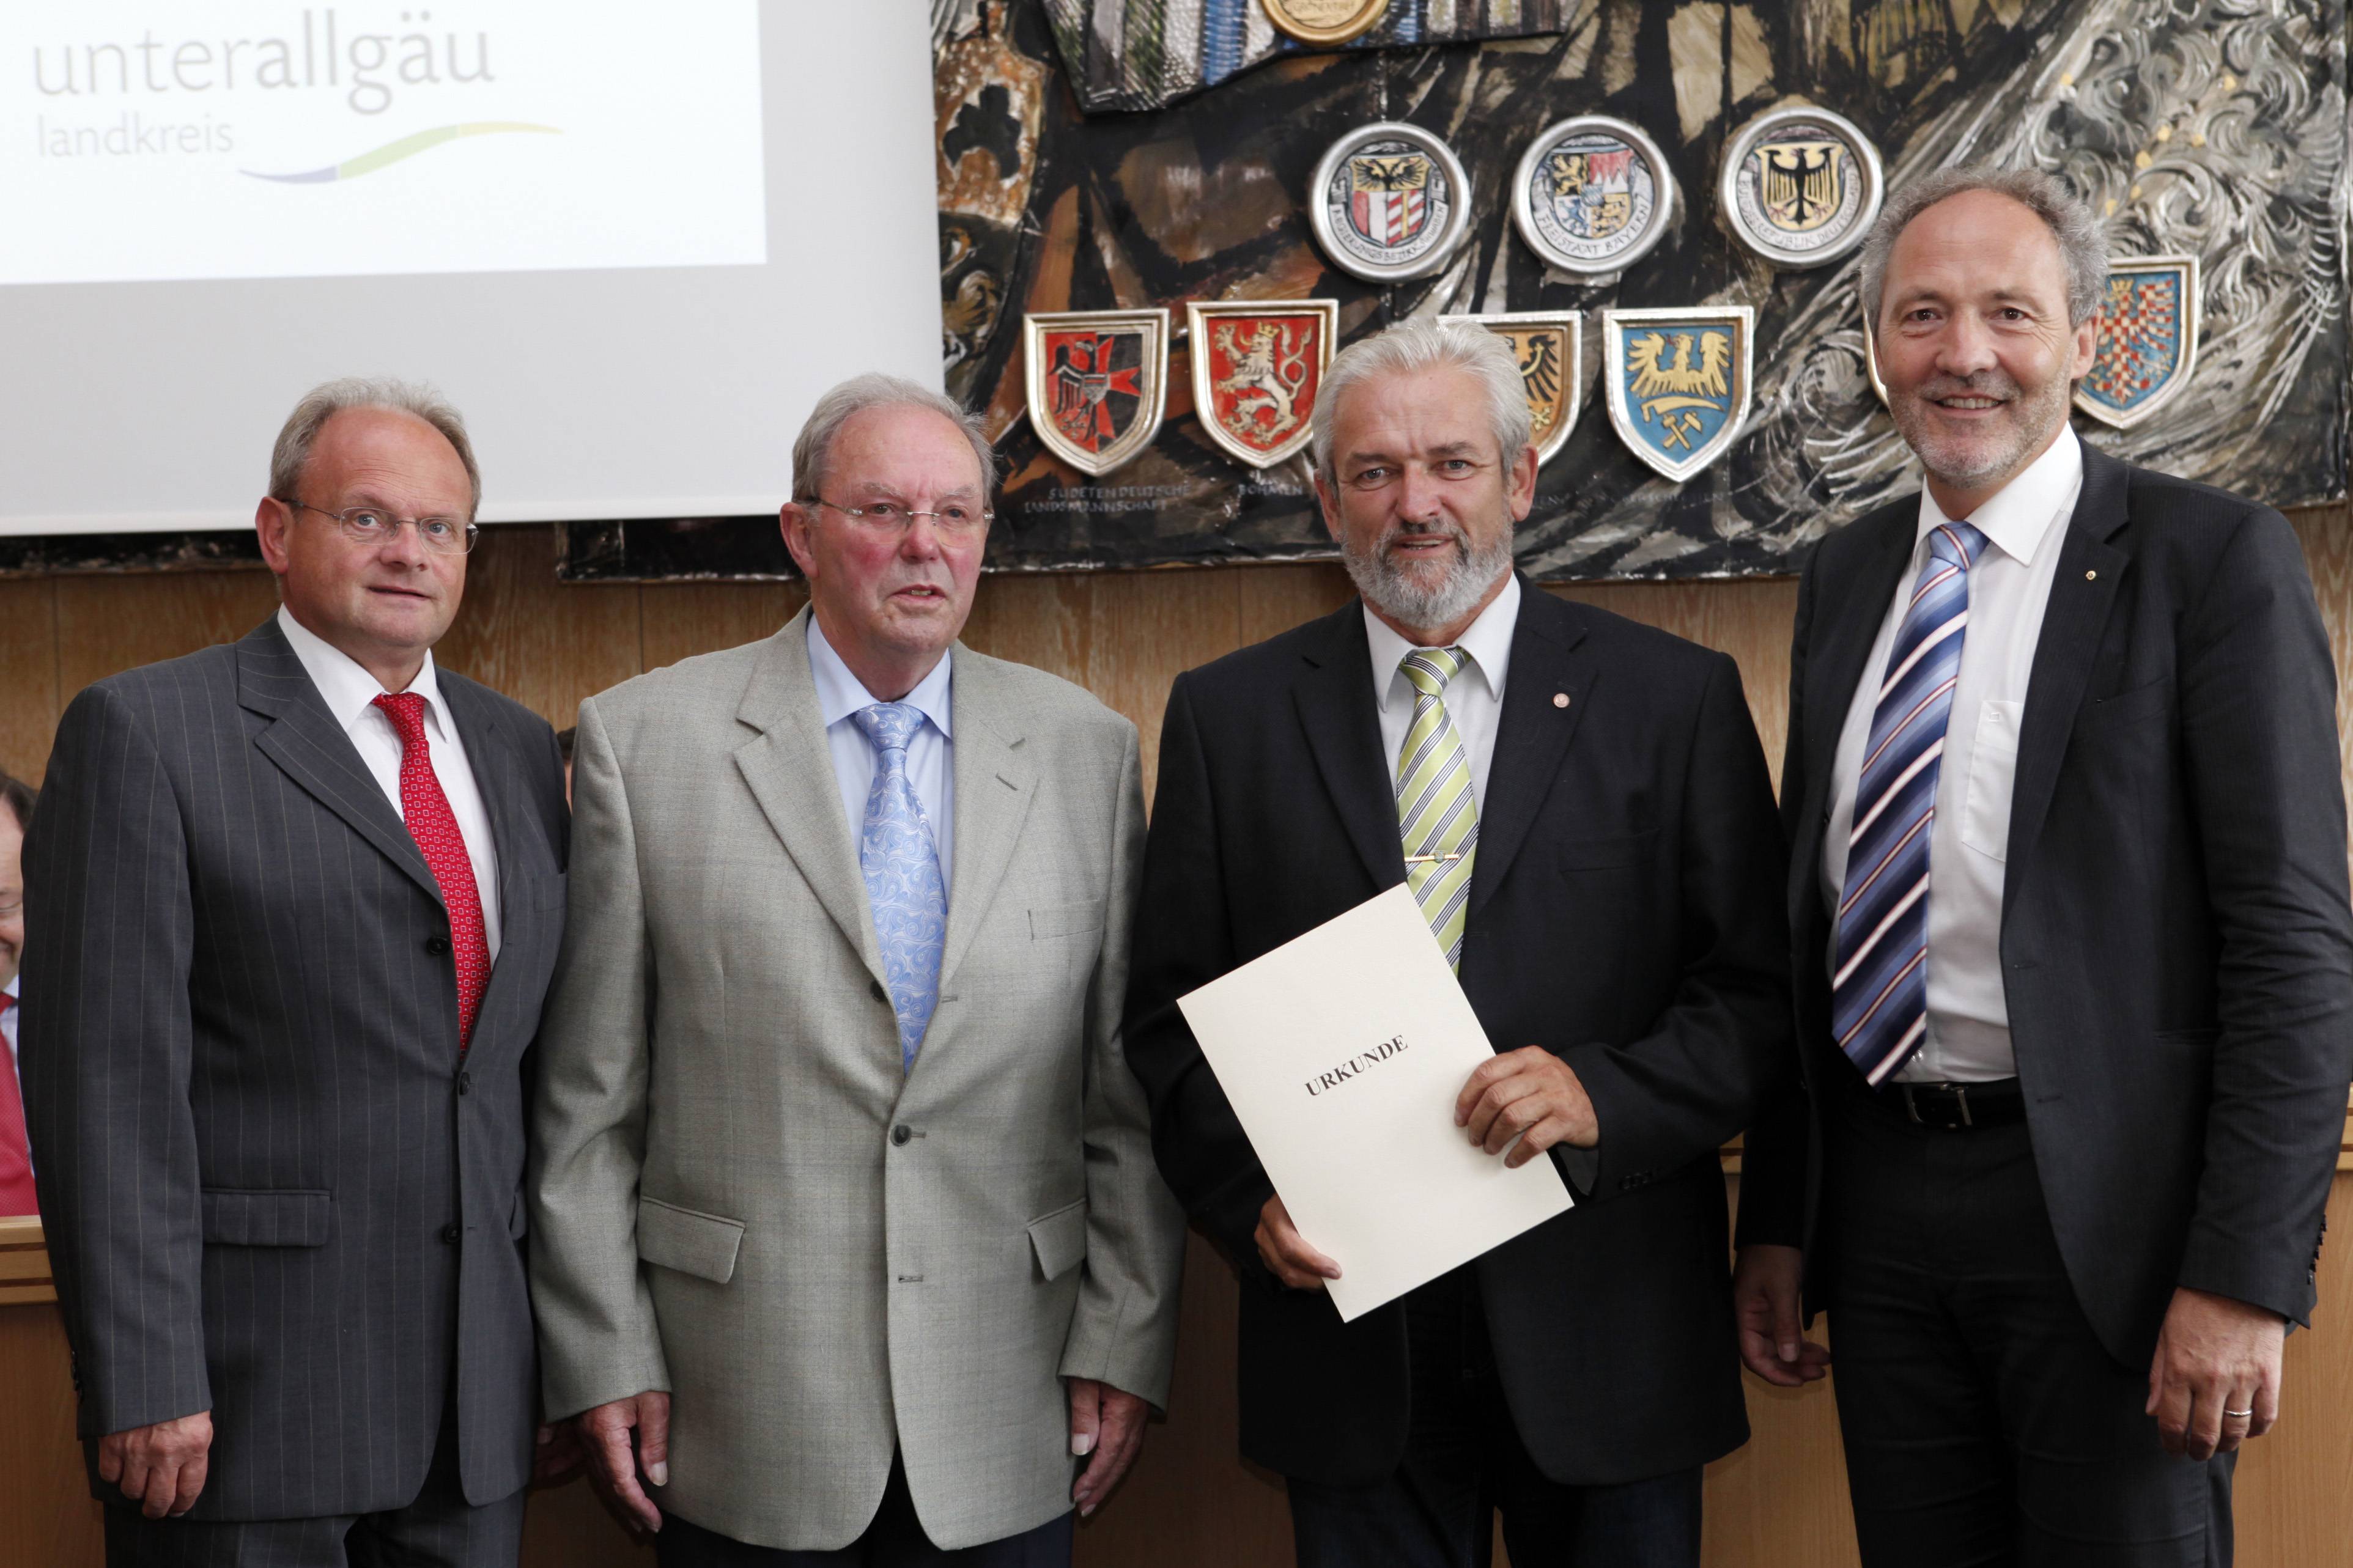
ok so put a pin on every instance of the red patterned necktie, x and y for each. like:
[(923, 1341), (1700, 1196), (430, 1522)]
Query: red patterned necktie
[(435, 828), (15, 1153)]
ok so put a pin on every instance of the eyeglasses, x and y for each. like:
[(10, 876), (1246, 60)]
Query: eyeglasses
[(373, 525), (955, 519)]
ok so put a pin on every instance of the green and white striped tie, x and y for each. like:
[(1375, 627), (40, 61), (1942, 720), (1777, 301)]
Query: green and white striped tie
[(1437, 817)]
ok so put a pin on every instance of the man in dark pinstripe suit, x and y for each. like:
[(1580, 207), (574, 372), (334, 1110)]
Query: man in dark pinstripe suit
[(295, 901)]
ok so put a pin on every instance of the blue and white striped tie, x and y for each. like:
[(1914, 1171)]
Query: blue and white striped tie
[(1878, 992)]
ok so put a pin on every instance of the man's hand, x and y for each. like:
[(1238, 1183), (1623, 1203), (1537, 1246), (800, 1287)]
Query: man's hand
[(1285, 1254), (160, 1468), (2214, 1355), (1109, 1425), (1529, 1094), (1764, 1284), (614, 1467)]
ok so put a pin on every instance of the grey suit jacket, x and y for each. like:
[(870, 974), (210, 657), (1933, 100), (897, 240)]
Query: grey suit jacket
[(737, 1196), (272, 1187)]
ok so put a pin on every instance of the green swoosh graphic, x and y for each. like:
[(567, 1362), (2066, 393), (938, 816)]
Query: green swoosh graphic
[(407, 147)]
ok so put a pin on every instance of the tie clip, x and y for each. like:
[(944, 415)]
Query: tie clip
[(1431, 860)]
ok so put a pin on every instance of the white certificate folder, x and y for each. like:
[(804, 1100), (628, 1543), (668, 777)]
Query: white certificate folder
[(1342, 1052)]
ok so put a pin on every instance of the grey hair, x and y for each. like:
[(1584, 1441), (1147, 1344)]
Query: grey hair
[(814, 445), (322, 403), (2083, 249), (1418, 345)]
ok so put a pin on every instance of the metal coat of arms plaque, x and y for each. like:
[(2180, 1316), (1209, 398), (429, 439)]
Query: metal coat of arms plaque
[(2147, 342), (1258, 365), (1389, 201), (1098, 383), (1549, 346), (1325, 21), (1679, 382), (1592, 195), (1801, 186)]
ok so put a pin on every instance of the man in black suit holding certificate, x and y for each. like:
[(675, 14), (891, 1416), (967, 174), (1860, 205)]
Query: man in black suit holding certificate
[(1582, 810)]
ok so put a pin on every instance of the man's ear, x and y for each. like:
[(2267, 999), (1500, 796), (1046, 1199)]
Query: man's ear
[(2087, 342), (794, 521), (272, 520)]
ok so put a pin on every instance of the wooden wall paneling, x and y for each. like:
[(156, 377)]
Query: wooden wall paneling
[(2293, 1494), (109, 624), (543, 643), (678, 620), (50, 1516), (29, 675)]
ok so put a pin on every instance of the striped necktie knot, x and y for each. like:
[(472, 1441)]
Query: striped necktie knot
[(1430, 669), (1879, 984)]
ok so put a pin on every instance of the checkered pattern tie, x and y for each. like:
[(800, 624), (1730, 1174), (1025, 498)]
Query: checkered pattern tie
[(435, 828), (901, 862), (1438, 820), (1878, 992)]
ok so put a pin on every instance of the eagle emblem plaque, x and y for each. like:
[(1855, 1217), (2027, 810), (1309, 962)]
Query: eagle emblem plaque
[(1802, 187), (1679, 382), (2148, 341), (1549, 347), (1258, 365), (1389, 201), (1098, 383)]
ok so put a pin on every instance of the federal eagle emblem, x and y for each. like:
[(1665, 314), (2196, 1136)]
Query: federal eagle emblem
[(1388, 202)]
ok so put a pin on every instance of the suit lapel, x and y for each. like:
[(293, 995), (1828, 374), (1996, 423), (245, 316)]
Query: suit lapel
[(788, 768), (1852, 611), (490, 754), (1335, 698), (1532, 733), (994, 789), (305, 743), (2082, 595)]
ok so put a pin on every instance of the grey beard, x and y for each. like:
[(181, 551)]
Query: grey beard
[(1402, 600)]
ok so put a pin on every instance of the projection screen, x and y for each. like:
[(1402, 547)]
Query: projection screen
[(630, 241)]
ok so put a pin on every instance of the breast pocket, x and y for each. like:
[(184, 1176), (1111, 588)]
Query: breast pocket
[(1993, 768)]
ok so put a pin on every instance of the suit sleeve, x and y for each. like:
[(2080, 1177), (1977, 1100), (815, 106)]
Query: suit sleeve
[(1721, 1049), (105, 1044), (597, 1338), (1182, 941), (1125, 1332), (2258, 707), (1774, 1154)]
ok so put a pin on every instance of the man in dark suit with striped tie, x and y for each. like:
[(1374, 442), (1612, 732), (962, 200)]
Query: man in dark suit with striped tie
[(294, 905), (2073, 956)]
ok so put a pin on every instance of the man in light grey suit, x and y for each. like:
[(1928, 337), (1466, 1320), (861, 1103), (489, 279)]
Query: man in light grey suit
[(848, 1232)]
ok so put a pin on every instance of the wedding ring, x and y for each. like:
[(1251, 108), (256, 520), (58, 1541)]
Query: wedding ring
[(2241, 1414)]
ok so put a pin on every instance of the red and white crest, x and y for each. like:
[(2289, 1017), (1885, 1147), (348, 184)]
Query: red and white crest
[(1258, 365)]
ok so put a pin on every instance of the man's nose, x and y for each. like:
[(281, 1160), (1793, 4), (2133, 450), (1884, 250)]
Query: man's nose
[(406, 547), (1966, 347), (1417, 495)]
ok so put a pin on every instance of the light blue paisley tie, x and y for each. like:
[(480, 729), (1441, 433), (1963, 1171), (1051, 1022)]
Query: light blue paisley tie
[(902, 864)]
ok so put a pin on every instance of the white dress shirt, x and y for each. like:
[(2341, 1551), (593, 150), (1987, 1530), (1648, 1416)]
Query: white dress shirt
[(1968, 1015), (1474, 699), (350, 693), (930, 749)]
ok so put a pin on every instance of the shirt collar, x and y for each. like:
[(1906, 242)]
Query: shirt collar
[(839, 694), (1488, 644), (348, 690), (2024, 513)]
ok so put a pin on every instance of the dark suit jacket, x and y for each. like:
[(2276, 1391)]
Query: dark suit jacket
[(2176, 943), (1625, 912), (250, 1120)]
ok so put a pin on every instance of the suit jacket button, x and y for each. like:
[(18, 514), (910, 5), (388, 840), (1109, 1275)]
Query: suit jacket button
[(465, 1083), (437, 945), (902, 1132), (875, 989), (449, 1234)]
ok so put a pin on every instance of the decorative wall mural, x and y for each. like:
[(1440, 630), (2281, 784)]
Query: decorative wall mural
[(2213, 129)]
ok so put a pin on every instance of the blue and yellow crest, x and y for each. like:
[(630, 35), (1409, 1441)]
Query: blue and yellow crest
[(1678, 382), (2147, 342)]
